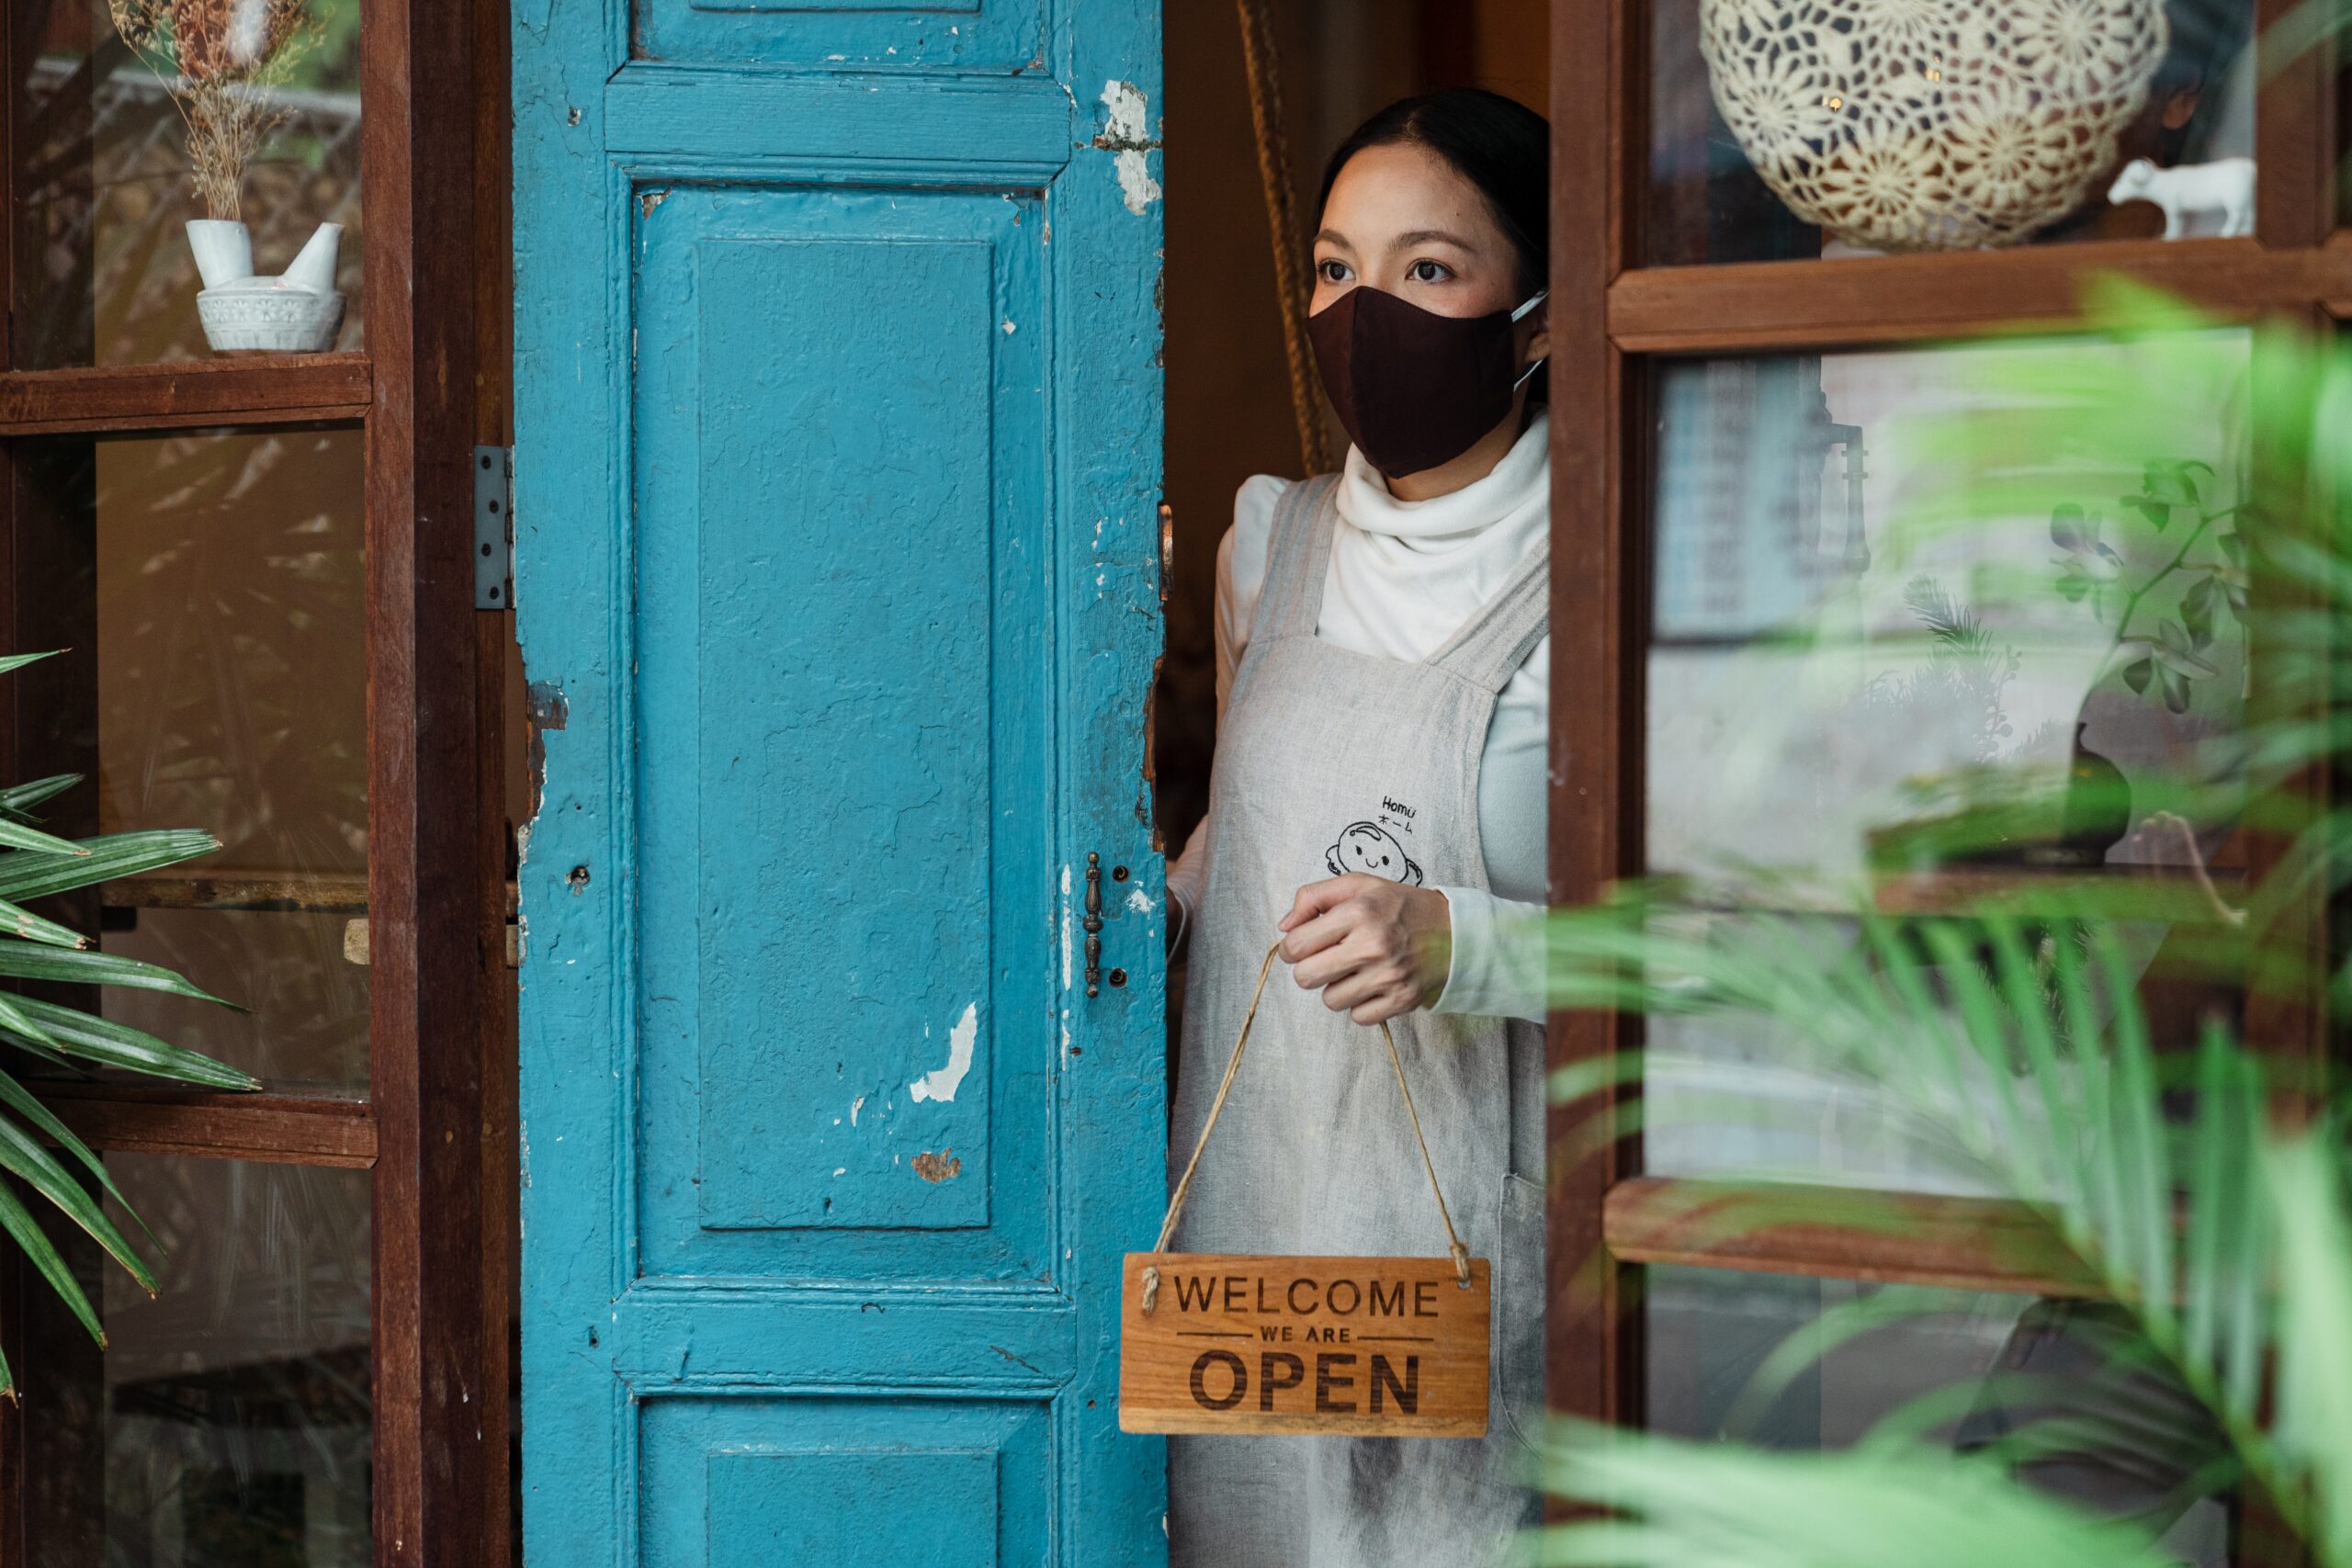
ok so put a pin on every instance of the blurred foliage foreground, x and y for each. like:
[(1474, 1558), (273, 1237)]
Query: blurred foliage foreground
[(2202, 1186)]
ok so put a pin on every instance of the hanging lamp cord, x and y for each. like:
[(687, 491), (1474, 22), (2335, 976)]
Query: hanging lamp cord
[(1460, 1253), (1293, 278)]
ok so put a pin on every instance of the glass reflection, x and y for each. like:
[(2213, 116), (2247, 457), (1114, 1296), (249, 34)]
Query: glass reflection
[(226, 609), (1822, 127), (2062, 1392), (108, 176), (233, 1412), (1917, 638)]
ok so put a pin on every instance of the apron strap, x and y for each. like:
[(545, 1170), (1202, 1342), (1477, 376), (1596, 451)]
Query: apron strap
[(1233, 1065), (1298, 554), (1489, 648)]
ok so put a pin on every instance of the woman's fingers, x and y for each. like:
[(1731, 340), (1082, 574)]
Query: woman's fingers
[(1323, 914), (1333, 964), (1313, 900), (1323, 896), (1367, 981), (1352, 938)]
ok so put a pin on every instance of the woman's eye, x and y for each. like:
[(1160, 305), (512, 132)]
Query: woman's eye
[(1428, 272), (1332, 271)]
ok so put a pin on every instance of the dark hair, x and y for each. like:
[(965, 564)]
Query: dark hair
[(1503, 147), (2208, 36)]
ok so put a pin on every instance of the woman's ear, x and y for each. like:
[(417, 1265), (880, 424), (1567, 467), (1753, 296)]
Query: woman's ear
[(1539, 341)]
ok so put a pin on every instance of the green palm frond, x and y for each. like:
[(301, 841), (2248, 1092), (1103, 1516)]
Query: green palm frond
[(1961, 1019), (19, 800), (2015, 1028), (1679, 1503), (30, 873), (33, 948)]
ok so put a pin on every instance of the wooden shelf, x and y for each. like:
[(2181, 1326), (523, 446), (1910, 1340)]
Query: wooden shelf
[(1978, 1244), (275, 1128), (1846, 302), (274, 389), (2169, 894), (287, 892), (2150, 892)]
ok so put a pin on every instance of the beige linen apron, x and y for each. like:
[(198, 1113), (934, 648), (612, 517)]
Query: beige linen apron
[(1332, 761)]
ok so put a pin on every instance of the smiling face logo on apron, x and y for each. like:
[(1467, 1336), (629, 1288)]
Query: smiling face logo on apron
[(1370, 848), (1317, 1158)]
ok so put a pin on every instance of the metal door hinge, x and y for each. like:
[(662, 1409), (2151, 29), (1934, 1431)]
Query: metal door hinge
[(494, 527)]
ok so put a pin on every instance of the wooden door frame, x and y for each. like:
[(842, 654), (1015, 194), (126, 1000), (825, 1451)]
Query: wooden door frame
[(437, 1129), (1609, 313)]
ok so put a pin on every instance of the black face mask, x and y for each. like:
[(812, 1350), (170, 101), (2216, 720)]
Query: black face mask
[(1414, 389)]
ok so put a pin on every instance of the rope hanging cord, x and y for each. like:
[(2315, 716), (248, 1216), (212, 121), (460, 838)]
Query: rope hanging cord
[(1293, 280), (1455, 1246)]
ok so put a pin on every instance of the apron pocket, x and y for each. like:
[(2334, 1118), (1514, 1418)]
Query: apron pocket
[(1518, 1308)]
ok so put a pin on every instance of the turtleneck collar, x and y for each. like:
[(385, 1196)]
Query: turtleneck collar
[(1518, 485)]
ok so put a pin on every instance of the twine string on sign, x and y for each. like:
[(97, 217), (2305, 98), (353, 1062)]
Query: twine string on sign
[(1460, 1253)]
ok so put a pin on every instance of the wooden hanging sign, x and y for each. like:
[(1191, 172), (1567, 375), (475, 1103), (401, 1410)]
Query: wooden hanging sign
[(1335, 1347), (1322, 1346)]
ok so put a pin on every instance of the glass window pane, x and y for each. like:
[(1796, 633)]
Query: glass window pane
[(231, 1414), (1809, 128), (107, 170), (1897, 593), (223, 593), (1987, 1369)]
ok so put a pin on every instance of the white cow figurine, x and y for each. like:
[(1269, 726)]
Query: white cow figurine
[(2224, 186)]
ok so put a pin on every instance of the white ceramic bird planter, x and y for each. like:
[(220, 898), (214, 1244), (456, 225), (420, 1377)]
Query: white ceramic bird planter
[(298, 312)]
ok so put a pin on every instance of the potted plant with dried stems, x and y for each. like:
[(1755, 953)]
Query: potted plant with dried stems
[(51, 1165), (220, 61), (2201, 1192)]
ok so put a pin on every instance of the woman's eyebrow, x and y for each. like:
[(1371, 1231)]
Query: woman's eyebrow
[(1333, 237), (1424, 236)]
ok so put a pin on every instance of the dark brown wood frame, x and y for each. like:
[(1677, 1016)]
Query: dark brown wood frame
[(438, 1127), (1608, 312)]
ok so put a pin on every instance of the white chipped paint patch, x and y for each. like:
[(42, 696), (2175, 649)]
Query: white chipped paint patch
[(1139, 901), (1127, 106), (1128, 137), (941, 1083), (1136, 187), (855, 1107), (1065, 928)]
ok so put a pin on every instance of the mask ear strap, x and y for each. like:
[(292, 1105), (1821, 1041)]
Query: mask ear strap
[(1519, 315)]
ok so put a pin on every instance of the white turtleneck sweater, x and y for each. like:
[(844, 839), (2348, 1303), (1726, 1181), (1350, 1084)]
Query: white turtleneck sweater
[(1404, 576)]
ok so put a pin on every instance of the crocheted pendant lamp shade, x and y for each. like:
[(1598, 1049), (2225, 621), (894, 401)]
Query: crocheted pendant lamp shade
[(1930, 125)]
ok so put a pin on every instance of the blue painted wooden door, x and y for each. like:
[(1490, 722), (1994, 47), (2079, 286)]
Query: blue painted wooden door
[(838, 432)]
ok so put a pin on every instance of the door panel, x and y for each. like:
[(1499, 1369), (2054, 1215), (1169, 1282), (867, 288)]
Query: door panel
[(752, 1483), (850, 579), (991, 34), (838, 421)]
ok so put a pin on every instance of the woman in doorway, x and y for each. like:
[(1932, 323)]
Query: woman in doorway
[(1379, 803)]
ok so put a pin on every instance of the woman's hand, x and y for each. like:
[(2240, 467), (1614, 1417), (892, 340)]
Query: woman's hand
[(1374, 948)]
